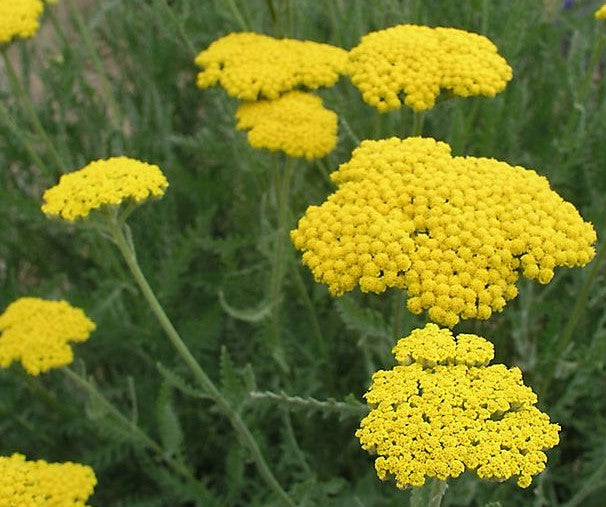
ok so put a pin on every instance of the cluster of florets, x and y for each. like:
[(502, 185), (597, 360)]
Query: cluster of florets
[(36, 332), (296, 123), (19, 19), (37, 483), (419, 61), (103, 183), (455, 232), (250, 66), (601, 12), (442, 410)]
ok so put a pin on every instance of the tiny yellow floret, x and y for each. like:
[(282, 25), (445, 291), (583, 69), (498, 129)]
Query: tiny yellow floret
[(455, 232), (442, 410), (601, 12), (36, 332), (103, 183), (419, 61), (38, 483), (296, 123), (250, 66), (19, 19)]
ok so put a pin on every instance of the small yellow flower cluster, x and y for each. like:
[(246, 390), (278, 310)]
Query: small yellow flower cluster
[(35, 332), (37, 483), (456, 232), (250, 66), (103, 182), (601, 12), (419, 61), (296, 123), (19, 19), (442, 410)]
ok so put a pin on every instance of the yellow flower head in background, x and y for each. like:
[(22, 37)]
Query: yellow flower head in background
[(101, 183), (36, 332), (250, 66), (19, 19), (442, 410), (455, 232), (419, 61), (38, 483), (296, 123), (601, 12)]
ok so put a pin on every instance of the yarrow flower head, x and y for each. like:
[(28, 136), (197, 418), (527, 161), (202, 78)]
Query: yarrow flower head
[(250, 66), (19, 19), (36, 332), (296, 123), (30, 483), (601, 12), (103, 183), (419, 61), (442, 410), (455, 232)]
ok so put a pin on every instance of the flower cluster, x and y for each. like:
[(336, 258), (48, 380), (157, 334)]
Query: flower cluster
[(601, 12), (103, 182), (250, 66), (19, 19), (419, 61), (36, 332), (35, 483), (296, 123), (456, 232), (443, 410)]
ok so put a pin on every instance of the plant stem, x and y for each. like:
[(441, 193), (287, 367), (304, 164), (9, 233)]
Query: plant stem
[(398, 303), (417, 123), (429, 495), (30, 110), (126, 248), (132, 427)]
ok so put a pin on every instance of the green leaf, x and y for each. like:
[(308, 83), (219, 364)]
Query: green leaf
[(247, 315), (176, 381), (363, 320), (169, 426)]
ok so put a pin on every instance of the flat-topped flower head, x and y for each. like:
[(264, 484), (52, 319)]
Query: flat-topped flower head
[(103, 183), (37, 483), (601, 12), (37, 333), (442, 410), (19, 19), (419, 61), (296, 123), (455, 232), (251, 66)]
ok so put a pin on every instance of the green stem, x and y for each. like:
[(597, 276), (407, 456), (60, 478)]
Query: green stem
[(116, 116), (132, 427), (417, 123), (190, 47), (429, 495), (398, 313), (577, 310), (30, 110), (126, 248)]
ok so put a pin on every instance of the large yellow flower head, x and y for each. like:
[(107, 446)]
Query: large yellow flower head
[(296, 123), (103, 183), (19, 19), (455, 232), (419, 61), (442, 410), (38, 483), (601, 12), (250, 66), (36, 332)]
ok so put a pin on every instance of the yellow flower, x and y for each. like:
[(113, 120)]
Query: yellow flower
[(36, 332), (103, 182), (251, 65), (455, 232), (19, 19), (442, 410), (37, 483), (419, 61), (296, 123), (601, 12)]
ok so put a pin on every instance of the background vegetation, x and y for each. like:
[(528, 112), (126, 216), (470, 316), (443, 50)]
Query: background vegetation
[(117, 77)]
